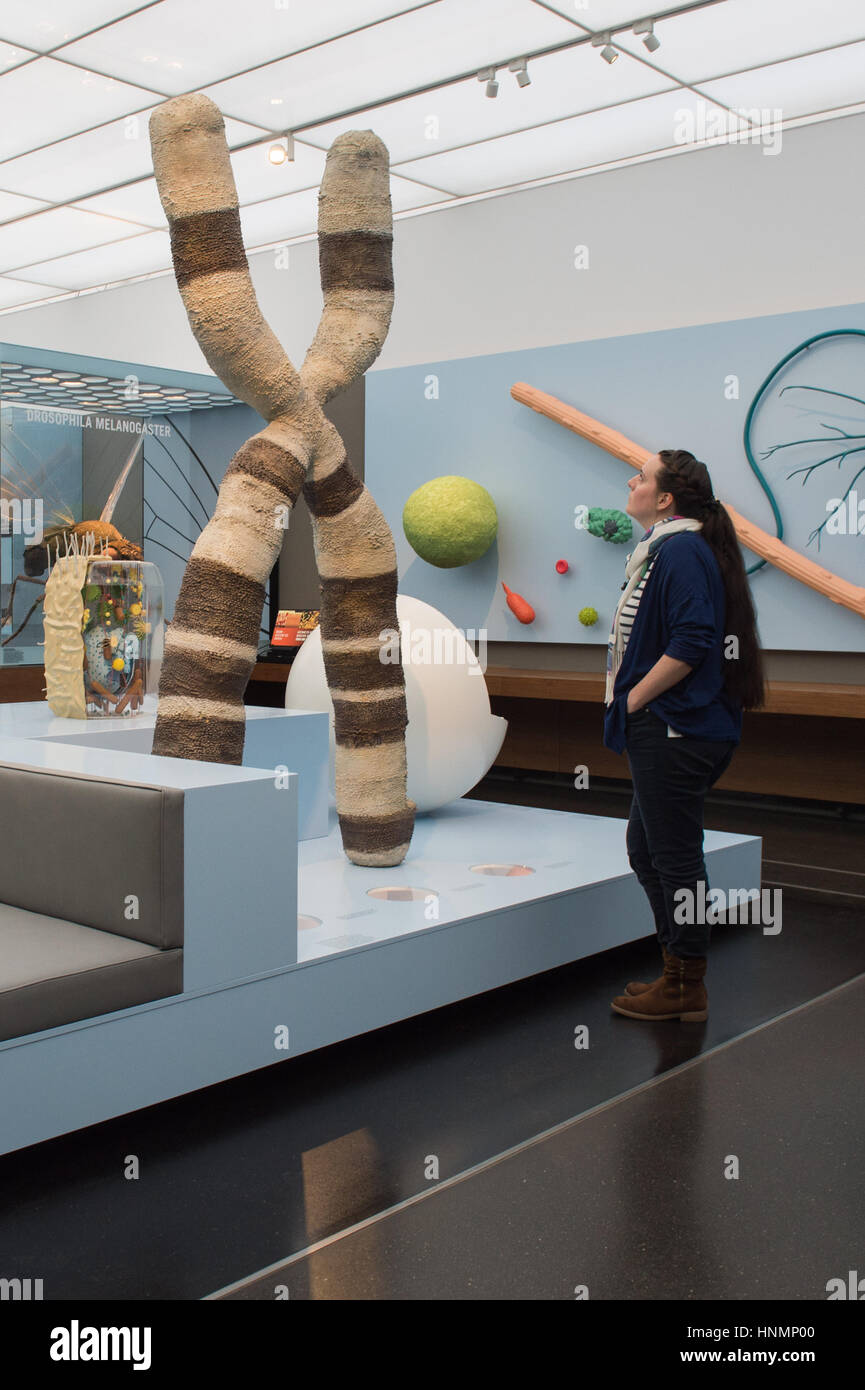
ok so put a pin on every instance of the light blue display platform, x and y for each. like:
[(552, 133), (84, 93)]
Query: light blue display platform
[(580, 896), (264, 982), (288, 738)]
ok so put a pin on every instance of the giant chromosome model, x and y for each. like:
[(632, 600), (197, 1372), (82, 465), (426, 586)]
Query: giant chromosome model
[(212, 641)]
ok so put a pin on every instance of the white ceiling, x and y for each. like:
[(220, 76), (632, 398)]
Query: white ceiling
[(79, 208)]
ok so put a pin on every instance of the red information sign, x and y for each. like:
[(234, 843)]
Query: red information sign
[(293, 626)]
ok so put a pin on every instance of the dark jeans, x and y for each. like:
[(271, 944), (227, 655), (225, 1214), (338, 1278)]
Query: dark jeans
[(671, 777)]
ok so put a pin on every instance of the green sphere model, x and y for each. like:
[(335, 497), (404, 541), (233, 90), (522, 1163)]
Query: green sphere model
[(609, 524), (450, 521), (588, 616)]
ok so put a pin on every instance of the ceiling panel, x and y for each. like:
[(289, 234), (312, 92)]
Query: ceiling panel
[(180, 45), (600, 14), (36, 238), (424, 46), (47, 23), (740, 34), (137, 202), (823, 82), (52, 99), (408, 72), (11, 205), (104, 265), (21, 292), (114, 153), (406, 194), (10, 56), (279, 218), (579, 143), (563, 84)]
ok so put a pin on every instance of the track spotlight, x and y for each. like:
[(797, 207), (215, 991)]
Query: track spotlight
[(602, 41), (488, 75), (519, 67), (647, 27), (282, 150)]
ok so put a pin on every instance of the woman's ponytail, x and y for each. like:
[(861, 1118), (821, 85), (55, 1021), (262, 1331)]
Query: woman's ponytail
[(689, 482)]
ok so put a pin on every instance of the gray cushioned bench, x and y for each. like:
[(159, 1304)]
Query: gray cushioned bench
[(91, 896)]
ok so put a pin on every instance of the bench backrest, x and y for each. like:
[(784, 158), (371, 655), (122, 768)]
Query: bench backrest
[(99, 852)]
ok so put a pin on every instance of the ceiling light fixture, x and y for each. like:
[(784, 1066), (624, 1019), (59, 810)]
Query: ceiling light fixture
[(647, 27), (519, 67), (282, 150), (602, 41), (488, 75)]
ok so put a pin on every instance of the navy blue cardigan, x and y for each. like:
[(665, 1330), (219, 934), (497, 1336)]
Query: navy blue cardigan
[(680, 614)]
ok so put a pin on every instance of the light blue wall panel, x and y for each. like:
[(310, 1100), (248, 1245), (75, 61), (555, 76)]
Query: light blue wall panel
[(664, 390)]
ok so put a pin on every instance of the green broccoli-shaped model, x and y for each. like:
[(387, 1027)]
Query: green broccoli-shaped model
[(609, 524), (588, 616)]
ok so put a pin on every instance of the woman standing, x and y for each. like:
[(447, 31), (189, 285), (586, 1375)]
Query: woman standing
[(683, 662)]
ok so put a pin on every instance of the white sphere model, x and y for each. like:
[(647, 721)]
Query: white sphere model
[(452, 738)]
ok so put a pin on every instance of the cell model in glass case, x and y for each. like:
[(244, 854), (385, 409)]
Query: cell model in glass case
[(123, 606), (104, 627)]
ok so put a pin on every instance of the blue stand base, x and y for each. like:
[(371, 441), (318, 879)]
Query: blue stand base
[(442, 932)]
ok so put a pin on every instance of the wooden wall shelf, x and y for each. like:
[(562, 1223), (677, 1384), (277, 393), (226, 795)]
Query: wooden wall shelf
[(784, 697)]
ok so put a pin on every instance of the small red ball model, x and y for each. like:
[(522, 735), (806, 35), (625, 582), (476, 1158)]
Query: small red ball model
[(562, 567), (518, 606)]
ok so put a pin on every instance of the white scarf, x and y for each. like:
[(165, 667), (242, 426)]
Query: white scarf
[(635, 568)]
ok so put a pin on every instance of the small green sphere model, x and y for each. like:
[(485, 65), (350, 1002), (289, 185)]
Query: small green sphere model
[(588, 616), (450, 521)]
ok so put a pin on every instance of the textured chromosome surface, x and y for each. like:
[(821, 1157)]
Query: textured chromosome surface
[(212, 642), (64, 646)]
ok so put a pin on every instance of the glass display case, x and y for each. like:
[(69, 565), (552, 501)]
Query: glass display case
[(123, 633)]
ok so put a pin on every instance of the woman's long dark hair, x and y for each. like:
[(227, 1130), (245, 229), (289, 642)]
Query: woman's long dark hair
[(689, 482)]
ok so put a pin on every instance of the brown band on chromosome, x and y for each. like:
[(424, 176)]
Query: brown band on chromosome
[(366, 724), (216, 601), (270, 463), (204, 242), (204, 674), (202, 740), (355, 260), (331, 495), (354, 607), (371, 833), (363, 670)]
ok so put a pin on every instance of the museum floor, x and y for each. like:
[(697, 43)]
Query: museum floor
[(558, 1167)]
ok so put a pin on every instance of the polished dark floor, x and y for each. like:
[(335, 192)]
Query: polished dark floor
[(714, 1182), (630, 1200)]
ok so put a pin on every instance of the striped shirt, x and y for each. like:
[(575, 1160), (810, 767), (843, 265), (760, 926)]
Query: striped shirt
[(629, 612)]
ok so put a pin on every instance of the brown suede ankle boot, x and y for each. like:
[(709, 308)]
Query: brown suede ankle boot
[(680, 993), (637, 987)]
